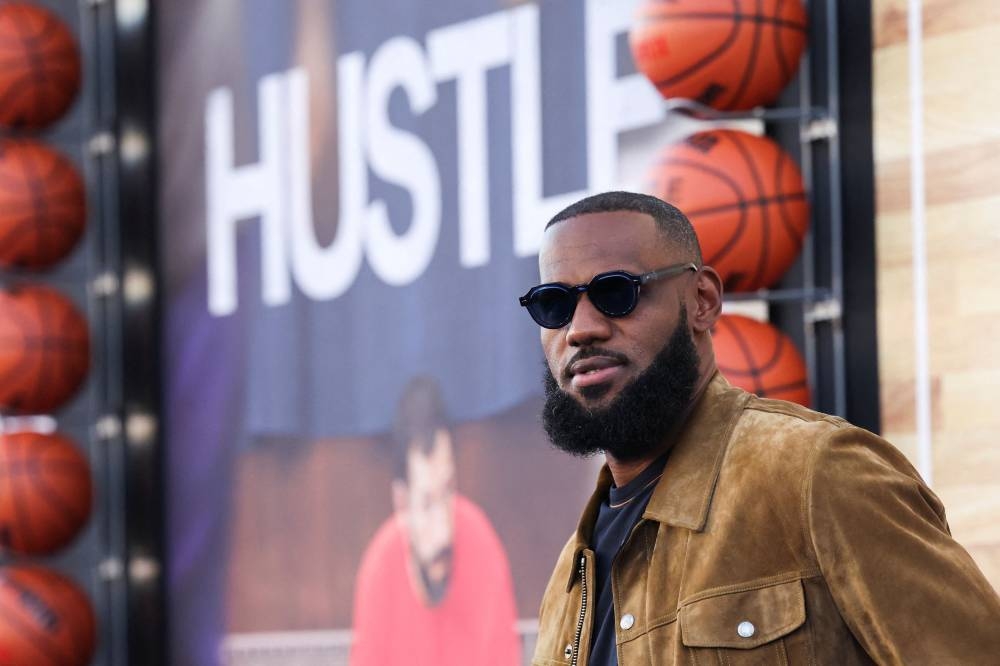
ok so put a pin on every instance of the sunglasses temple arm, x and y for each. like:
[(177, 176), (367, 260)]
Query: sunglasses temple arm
[(668, 272)]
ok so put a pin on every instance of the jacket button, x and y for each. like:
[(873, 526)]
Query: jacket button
[(568, 652), (746, 629), (627, 621)]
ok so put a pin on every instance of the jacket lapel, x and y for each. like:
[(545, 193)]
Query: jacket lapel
[(683, 495)]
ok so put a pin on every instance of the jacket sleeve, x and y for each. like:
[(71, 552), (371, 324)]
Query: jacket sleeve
[(908, 591)]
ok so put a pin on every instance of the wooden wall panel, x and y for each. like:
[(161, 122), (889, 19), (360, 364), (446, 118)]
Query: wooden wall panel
[(961, 149)]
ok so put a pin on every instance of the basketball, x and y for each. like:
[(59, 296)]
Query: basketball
[(45, 619), (44, 349), (46, 499), (745, 198), (727, 54), (39, 66), (759, 358), (42, 211)]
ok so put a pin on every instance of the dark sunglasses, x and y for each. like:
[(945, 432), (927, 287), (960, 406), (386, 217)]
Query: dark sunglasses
[(615, 294)]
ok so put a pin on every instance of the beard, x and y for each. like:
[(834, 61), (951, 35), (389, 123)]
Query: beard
[(637, 422), (436, 587)]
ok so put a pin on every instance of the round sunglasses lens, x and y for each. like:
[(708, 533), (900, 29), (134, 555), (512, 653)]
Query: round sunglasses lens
[(614, 295), (551, 307)]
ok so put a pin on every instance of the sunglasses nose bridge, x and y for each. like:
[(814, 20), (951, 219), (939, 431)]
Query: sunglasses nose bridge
[(587, 321)]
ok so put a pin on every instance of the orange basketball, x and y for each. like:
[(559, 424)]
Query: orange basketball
[(45, 619), (727, 54), (39, 66), (44, 349), (759, 358), (42, 211), (47, 495), (745, 198)]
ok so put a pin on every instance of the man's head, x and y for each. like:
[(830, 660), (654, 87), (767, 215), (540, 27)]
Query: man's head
[(423, 486), (607, 373)]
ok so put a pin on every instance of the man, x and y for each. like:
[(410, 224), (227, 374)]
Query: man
[(434, 587), (725, 528)]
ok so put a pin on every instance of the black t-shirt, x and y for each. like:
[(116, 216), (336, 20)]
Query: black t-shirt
[(617, 516)]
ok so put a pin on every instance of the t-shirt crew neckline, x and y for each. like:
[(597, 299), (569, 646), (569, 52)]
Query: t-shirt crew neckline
[(619, 497)]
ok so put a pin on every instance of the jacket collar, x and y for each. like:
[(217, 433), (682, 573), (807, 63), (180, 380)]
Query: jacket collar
[(683, 495)]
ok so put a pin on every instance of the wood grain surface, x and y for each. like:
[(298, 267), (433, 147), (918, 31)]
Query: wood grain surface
[(961, 48)]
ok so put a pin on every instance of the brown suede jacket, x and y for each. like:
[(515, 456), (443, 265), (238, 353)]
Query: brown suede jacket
[(778, 535)]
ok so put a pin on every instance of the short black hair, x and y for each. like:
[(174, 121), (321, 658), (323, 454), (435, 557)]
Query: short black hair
[(419, 415), (674, 226)]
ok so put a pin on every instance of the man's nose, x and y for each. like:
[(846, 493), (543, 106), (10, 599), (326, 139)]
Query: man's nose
[(589, 325)]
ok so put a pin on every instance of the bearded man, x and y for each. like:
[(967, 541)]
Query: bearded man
[(725, 528), (434, 587)]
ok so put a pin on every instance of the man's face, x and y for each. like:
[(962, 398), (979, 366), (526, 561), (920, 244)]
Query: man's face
[(595, 356), (428, 511)]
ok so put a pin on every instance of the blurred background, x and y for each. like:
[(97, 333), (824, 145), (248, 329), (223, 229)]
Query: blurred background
[(267, 394)]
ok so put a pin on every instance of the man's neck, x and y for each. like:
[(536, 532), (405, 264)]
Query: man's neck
[(623, 471)]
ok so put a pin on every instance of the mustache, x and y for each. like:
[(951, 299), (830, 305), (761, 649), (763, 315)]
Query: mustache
[(591, 352)]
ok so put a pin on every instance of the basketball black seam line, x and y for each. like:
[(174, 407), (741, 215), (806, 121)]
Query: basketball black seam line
[(725, 208), (80, 353), (796, 236), (64, 204), (723, 47), (741, 224), (37, 73), (38, 197), (58, 235), (778, 51), (747, 354), (61, 466), (48, 70), (32, 57), (52, 344), (61, 369), (759, 184), (61, 207), (74, 363), (751, 63), (5, 462), (39, 42), (57, 59), (21, 511), (23, 362), (779, 345), (69, 348), (12, 92), (728, 180), (776, 21), (43, 365), (70, 517)]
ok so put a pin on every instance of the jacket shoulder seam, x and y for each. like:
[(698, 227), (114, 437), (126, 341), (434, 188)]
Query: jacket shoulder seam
[(794, 411)]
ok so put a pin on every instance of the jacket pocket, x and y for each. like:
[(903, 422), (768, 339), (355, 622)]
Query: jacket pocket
[(743, 626)]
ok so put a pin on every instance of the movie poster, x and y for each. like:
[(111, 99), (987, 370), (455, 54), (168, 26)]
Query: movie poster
[(353, 195)]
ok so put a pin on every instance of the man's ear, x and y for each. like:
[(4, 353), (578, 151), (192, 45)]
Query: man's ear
[(400, 496), (708, 300)]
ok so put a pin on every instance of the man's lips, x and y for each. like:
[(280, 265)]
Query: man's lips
[(594, 370)]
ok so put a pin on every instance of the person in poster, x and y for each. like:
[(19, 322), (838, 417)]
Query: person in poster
[(434, 585)]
